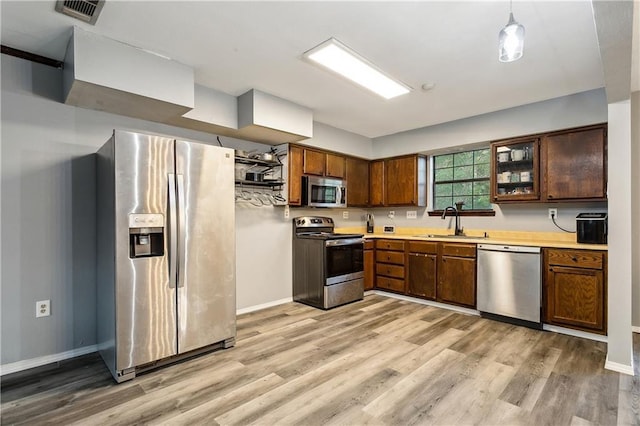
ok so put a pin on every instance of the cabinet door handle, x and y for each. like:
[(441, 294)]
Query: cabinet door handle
[(549, 196), (389, 258), (574, 259), (550, 269)]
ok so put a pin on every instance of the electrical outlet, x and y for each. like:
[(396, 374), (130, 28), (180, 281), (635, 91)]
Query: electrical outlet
[(553, 213), (286, 212), (391, 214), (412, 214), (345, 214), (43, 308)]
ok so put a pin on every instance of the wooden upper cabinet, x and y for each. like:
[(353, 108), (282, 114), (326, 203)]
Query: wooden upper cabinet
[(357, 174), (574, 164), (376, 183), (405, 181), (514, 170), (314, 162), (295, 175), (335, 166)]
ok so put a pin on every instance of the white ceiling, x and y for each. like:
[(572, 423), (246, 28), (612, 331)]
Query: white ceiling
[(236, 46)]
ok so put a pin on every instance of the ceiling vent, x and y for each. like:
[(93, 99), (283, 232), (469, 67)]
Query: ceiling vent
[(84, 10)]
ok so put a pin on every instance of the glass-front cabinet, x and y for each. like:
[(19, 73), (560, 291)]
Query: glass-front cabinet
[(514, 170)]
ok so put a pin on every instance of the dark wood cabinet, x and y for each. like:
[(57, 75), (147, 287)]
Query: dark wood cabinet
[(567, 165), (398, 181), (357, 173), (335, 166), (390, 265), (440, 271), (574, 292), (376, 183), (574, 165), (314, 162), (457, 274), (515, 170), (369, 265), (405, 181), (295, 175), (422, 270), (323, 163)]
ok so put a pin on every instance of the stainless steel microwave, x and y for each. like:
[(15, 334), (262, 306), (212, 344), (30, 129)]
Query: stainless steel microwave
[(324, 192)]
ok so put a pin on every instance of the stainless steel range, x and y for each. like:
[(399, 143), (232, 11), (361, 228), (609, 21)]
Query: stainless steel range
[(328, 268)]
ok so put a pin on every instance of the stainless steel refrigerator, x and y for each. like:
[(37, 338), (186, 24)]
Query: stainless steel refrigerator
[(166, 250)]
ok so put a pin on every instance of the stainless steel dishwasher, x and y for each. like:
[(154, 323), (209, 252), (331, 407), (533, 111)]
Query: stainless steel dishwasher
[(509, 284)]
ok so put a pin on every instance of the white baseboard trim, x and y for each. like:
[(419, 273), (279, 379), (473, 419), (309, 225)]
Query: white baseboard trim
[(635, 329), (428, 302), (264, 306), (26, 364), (620, 368), (575, 333)]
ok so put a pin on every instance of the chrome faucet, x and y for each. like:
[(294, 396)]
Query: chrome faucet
[(455, 209)]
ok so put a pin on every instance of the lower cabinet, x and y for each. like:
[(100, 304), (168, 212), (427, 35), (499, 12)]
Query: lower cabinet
[(574, 292), (445, 272), (369, 265), (457, 274), (421, 269), (390, 272)]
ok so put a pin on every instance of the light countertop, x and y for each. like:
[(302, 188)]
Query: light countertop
[(514, 238)]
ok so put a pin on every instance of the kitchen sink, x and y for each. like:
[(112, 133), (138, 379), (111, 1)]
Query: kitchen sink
[(453, 237)]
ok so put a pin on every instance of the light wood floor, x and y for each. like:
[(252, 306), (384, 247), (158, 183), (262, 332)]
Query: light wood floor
[(379, 361)]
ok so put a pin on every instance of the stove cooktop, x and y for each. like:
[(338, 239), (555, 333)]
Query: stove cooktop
[(327, 235)]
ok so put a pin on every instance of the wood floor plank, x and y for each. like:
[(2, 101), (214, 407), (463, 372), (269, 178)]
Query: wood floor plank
[(205, 414), (380, 361), (471, 397), (526, 386), (168, 400), (422, 354), (386, 403), (298, 408), (557, 401)]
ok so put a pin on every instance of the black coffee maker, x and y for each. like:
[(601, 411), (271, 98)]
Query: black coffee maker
[(369, 223)]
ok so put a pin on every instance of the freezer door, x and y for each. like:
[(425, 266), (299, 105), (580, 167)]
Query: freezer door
[(145, 301), (207, 245)]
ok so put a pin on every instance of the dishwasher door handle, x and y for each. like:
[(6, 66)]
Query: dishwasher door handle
[(507, 248)]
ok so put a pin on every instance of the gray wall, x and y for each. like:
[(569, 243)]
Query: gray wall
[(635, 206), (569, 111)]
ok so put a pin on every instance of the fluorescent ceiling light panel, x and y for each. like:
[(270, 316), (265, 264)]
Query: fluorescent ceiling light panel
[(340, 59)]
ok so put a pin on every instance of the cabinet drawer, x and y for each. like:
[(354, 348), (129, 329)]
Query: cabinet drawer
[(576, 258), (390, 245), (458, 250), (368, 244), (395, 271), (423, 247), (390, 283), (396, 257)]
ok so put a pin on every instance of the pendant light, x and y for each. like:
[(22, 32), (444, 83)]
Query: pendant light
[(511, 39)]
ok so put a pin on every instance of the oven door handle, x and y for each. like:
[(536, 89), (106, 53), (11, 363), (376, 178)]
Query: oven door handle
[(344, 242)]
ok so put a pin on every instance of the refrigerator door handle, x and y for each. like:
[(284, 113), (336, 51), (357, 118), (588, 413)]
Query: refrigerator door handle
[(181, 231), (173, 231)]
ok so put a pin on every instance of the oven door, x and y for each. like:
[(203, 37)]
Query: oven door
[(344, 260)]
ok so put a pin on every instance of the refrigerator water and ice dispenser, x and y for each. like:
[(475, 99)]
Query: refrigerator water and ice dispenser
[(146, 235)]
